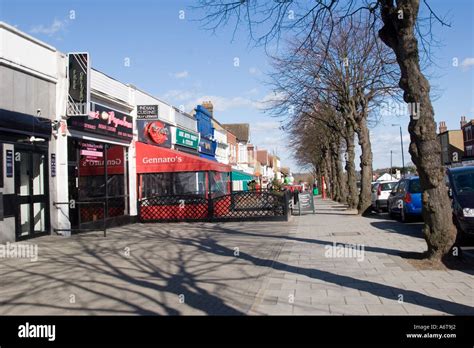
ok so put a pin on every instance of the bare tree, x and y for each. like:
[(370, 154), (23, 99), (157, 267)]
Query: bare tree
[(397, 20), (352, 79)]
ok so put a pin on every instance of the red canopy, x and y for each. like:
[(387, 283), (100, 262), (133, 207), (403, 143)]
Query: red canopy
[(155, 159)]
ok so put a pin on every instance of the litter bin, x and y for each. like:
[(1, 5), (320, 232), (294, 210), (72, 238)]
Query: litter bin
[(315, 191)]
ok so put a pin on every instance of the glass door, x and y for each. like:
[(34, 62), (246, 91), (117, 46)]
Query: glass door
[(31, 190)]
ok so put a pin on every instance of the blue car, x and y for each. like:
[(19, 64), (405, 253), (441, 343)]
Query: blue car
[(405, 199)]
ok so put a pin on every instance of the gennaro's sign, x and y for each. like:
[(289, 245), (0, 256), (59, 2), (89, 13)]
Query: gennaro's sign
[(155, 160)]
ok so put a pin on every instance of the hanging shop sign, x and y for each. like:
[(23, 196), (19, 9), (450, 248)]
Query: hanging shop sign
[(147, 112), (154, 133), (207, 146), (104, 121), (9, 163), (186, 138), (53, 165), (78, 103)]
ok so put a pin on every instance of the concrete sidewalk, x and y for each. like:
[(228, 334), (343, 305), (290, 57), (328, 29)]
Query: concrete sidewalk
[(236, 268), (309, 279)]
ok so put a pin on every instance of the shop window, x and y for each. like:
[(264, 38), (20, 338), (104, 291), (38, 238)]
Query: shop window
[(100, 176), (469, 150), (219, 183), (164, 184)]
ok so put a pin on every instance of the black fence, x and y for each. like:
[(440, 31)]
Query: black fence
[(237, 206)]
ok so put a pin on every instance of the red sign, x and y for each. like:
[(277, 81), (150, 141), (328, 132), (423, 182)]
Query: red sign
[(157, 132), (95, 165), (154, 159)]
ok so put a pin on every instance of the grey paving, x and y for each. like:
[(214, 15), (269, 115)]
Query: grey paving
[(256, 268)]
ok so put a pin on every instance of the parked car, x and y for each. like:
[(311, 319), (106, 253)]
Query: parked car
[(380, 193), (404, 200), (461, 191)]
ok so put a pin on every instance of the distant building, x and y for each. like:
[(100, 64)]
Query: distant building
[(232, 141), (242, 135), (264, 159), (467, 129), (452, 144)]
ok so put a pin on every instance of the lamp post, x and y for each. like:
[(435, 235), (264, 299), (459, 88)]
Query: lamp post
[(401, 144), (391, 166)]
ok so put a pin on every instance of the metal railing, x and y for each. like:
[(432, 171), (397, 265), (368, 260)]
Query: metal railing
[(104, 228), (236, 206)]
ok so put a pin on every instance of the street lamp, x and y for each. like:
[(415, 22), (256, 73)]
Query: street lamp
[(391, 165), (401, 144)]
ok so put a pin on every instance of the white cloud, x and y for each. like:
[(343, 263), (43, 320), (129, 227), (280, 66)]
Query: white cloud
[(222, 103), (383, 141), (191, 98), (178, 95), (265, 126), (50, 30), (467, 62), (255, 71), (252, 91), (180, 75)]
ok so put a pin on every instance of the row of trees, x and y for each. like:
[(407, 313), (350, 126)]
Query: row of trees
[(344, 57), (332, 93)]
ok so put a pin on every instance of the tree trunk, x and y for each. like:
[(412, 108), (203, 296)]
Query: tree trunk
[(425, 149), (334, 179), (365, 196), (350, 167), (330, 178), (341, 179)]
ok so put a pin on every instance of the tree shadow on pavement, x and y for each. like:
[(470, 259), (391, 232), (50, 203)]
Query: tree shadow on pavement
[(377, 289), (411, 229), (117, 284), (313, 241)]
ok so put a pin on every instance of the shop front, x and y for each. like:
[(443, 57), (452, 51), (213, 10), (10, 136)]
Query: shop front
[(24, 175), (240, 180), (98, 168), (177, 185)]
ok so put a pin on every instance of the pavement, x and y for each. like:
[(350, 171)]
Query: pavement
[(255, 268)]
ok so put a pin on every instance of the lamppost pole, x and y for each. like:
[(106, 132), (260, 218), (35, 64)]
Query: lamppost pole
[(401, 145), (391, 166), (403, 156)]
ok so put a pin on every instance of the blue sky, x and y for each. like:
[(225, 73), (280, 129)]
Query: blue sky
[(181, 62)]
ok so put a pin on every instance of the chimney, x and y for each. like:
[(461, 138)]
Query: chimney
[(442, 127), (208, 105), (463, 121)]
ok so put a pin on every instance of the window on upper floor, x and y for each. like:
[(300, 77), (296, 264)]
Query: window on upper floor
[(469, 150)]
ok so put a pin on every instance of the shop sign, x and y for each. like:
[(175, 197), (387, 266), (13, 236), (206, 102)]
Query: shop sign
[(79, 84), (104, 121), (9, 164), (94, 165), (207, 146), (53, 165), (154, 133), (147, 112), (188, 139), (90, 150)]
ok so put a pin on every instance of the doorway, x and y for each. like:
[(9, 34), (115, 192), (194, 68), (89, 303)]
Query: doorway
[(31, 189)]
